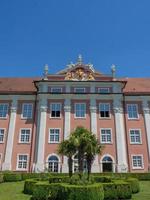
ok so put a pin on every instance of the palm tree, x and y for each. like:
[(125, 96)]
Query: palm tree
[(68, 148), (92, 149)]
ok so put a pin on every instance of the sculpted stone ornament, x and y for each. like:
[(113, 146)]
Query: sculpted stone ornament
[(79, 75)]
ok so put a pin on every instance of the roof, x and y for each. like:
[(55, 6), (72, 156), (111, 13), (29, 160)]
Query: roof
[(26, 85), (17, 85)]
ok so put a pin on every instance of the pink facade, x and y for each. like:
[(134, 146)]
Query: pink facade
[(37, 114)]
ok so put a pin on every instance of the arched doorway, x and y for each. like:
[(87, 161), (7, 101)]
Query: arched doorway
[(53, 164), (107, 164)]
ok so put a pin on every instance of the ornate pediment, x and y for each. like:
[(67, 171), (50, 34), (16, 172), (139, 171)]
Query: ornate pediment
[(79, 74), (78, 71)]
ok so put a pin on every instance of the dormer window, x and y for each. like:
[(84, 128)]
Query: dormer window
[(103, 90), (56, 90), (79, 90)]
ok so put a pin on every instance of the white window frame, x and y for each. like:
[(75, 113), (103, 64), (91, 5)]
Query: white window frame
[(59, 162), (106, 142), (51, 109), (109, 111), (104, 88), (139, 136), (22, 169), (1, 142), (133, 118), (7, 110), (76, 117), (54, 142), (138, 167), (22, 142), (22, 117), (53, 88), (79, 88)]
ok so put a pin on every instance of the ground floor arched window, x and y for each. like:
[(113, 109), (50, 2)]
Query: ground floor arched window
[(75, 164), (107, 164), (53, 164)]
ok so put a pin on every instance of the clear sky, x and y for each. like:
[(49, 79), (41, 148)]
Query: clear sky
[(54, 32)]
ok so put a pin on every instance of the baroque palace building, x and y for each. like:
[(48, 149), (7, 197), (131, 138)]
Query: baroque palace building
[(36, 114)]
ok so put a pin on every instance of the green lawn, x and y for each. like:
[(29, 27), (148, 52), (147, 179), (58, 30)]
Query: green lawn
[(144, 191), (13, 191)]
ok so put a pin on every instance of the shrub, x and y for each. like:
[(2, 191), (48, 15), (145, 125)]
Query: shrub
[(12, 177), (42, 176), (45, 191), (76, 180), (29, 186), (117, 190), (135, 186), (80, 192), (102, 179), (59, 179), (1, 178)]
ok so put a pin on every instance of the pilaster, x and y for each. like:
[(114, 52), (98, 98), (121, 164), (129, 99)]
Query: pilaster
[(39, 166), (146, 112), (10, 139), (122, 165)]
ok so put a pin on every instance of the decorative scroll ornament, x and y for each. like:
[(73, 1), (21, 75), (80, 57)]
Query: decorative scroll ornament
[(79, 75)]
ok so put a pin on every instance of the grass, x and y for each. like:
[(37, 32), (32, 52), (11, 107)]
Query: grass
[(13, 191), (144, 191)]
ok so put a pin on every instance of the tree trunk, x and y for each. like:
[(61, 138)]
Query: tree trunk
[(70, 162)]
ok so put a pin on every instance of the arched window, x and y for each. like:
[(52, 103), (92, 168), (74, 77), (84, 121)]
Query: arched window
[(53, 164), (107, 164), (76, 167), (107, 159)]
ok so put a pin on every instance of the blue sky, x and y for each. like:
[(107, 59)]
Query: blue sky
[(105, 32)]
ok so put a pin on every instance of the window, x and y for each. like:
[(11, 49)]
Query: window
[(80, 110), (79, 90), (106, 136), (132, 110), (53, 164), (54, 135), (56, 90), (104, 109), (1, 135), (103, 90), (27, 111), (3, 110), (22, 162), (55, 109), (135, 136), (137, 161), (25, 136)]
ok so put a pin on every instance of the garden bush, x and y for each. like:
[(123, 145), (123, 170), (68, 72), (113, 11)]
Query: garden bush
[(81, 192), (135, 186), (102, 179), (42, 176), (29, 186), (76, 180), (59, 179), (1, 178), (45, 191), (117, 190), (12, 177)]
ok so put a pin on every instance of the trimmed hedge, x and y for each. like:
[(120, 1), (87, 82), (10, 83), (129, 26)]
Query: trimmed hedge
[(12, 177), (59, 179), (77, 192), (44, 191), (135, 186), (43, 176), (1, 178), (102, 179), (29, 186), (117, 190)]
